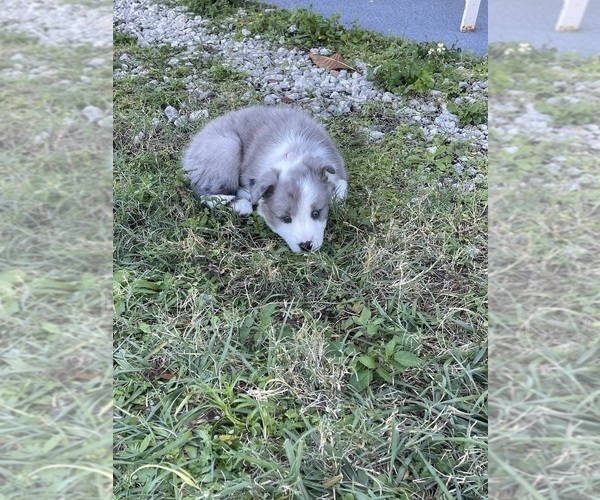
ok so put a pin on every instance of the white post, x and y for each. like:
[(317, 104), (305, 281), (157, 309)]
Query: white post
[(469, 15), (571, 15)]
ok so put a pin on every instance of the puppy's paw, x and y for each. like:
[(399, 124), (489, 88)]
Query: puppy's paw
[(242, 206)]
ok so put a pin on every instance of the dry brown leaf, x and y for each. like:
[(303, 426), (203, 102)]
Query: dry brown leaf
[(334, 62)]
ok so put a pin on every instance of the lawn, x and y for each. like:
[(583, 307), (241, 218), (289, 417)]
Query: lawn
[(242, 370), (544, 286), (55, 272)]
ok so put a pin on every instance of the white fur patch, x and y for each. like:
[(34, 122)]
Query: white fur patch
[(303, 230)]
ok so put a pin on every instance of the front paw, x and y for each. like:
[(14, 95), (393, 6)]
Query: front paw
[(242, 206)]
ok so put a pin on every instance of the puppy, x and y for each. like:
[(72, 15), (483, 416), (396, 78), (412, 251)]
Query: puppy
[(275, 158)]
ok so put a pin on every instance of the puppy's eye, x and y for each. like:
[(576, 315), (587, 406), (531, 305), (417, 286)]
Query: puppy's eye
[(315, 214), (287, 219)]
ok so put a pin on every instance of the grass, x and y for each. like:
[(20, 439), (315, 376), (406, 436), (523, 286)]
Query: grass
[(242, 370), (544, 288), (55, 404)]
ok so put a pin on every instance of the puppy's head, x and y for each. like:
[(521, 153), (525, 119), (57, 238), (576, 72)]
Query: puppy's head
[(295, 203)]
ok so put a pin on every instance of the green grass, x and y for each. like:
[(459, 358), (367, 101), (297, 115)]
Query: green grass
[(243, 370), (544, 287), (55, 402)]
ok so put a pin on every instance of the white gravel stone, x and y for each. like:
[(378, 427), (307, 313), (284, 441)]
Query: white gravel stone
[(92, 113), (171, 113), (56, 23), (198, 114)]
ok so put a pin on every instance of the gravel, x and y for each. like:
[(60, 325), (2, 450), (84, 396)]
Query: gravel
[(279, 73), (57, 24), (53, 23), (516, 119)]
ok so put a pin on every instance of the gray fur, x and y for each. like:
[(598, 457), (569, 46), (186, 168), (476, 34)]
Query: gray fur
[(267, 156)]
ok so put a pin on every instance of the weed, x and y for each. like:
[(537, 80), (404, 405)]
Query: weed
[(567, 112), (211, 8), (311, 29), (470, 113), (414, 67)]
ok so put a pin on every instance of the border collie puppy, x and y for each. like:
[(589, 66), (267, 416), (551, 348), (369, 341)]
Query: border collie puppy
[(275, 158)]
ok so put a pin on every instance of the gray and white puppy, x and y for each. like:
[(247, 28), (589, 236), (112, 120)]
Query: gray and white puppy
[(276, 158)]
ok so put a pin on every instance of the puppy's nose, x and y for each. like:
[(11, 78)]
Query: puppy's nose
[(305, 246)]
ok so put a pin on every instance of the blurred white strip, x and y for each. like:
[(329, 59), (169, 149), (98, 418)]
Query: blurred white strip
[(571, 15)]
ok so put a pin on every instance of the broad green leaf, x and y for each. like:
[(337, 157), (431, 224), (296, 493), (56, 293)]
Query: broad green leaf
[(368, 361), (406, 358)]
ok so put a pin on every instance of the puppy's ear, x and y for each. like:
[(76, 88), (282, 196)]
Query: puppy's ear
[(338, 185), (326, 171), (263, 186)]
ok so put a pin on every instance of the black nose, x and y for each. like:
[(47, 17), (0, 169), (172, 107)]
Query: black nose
[(305, 246)]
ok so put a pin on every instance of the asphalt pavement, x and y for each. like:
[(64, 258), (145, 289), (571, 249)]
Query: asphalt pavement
[(416, 20), (533, 21)]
